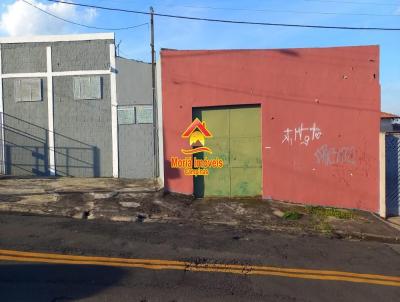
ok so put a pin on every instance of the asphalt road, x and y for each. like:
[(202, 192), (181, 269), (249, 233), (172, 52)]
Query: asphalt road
[(41, 281)]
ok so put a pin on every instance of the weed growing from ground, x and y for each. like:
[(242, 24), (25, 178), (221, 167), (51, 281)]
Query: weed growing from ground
[(292, 215), (323, 212)]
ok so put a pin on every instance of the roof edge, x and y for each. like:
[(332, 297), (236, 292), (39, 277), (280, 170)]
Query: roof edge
[(388, 115), (133, 60), (58, 38), (268, 49)]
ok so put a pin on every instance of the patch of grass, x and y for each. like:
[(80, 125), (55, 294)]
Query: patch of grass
[(323, 227), (292, 215), (324, 212)]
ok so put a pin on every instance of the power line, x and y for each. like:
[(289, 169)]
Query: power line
[(230, 21), (79, 24), (294, 11), (103, 7), (286, 11), (326, 1)]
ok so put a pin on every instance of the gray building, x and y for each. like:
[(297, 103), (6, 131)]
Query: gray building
[(70, 107), (390, 122)]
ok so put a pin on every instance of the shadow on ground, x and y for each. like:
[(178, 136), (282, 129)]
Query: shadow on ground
[(55, 283)]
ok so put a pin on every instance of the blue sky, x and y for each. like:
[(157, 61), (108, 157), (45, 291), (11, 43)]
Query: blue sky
[(17, 18)]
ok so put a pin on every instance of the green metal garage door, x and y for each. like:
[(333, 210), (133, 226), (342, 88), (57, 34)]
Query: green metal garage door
[(237, 140)]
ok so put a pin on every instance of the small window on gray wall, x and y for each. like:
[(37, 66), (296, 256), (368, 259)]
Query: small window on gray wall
[(28, 90), (126, 115), (144, 114), (87, 88)]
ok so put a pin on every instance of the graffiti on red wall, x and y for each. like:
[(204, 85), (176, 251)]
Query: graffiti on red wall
[(302, 135), (331, 155)]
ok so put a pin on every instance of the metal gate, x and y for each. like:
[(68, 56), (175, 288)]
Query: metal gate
[(237, 140), (393, 174)]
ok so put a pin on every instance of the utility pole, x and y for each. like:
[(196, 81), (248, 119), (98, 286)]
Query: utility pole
[(117, 49), (153, 87)]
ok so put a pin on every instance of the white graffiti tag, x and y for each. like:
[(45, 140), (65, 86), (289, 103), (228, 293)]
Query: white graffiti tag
[(330, 155), (301, 134)]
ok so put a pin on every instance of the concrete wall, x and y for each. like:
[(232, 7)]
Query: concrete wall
[(25, 133), (25, 123), (81, 55), (133, 82), (136, 143), (23, 57), (82, 131), (82, 128), (335, 89)]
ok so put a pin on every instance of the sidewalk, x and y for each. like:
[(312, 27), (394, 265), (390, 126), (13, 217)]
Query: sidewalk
[(143, 201)]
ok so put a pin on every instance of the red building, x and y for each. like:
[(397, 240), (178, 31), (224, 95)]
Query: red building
[(299, 125)]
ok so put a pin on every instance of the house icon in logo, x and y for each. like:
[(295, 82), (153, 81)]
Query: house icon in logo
[(197, 133)]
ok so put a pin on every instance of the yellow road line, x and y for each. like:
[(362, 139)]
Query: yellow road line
[(7, 255), (95, 258), (89, 262), (204, 265)]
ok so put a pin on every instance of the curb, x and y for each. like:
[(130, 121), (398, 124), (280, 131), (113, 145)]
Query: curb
[(395, 226), (102, 191), (368, 237), (343, 235)]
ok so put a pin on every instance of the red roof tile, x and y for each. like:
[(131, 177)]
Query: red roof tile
[(388, 115)]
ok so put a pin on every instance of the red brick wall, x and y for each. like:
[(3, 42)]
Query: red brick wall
[(335, 89)]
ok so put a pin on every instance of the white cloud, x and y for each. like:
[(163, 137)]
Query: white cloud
[(21, 19)]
